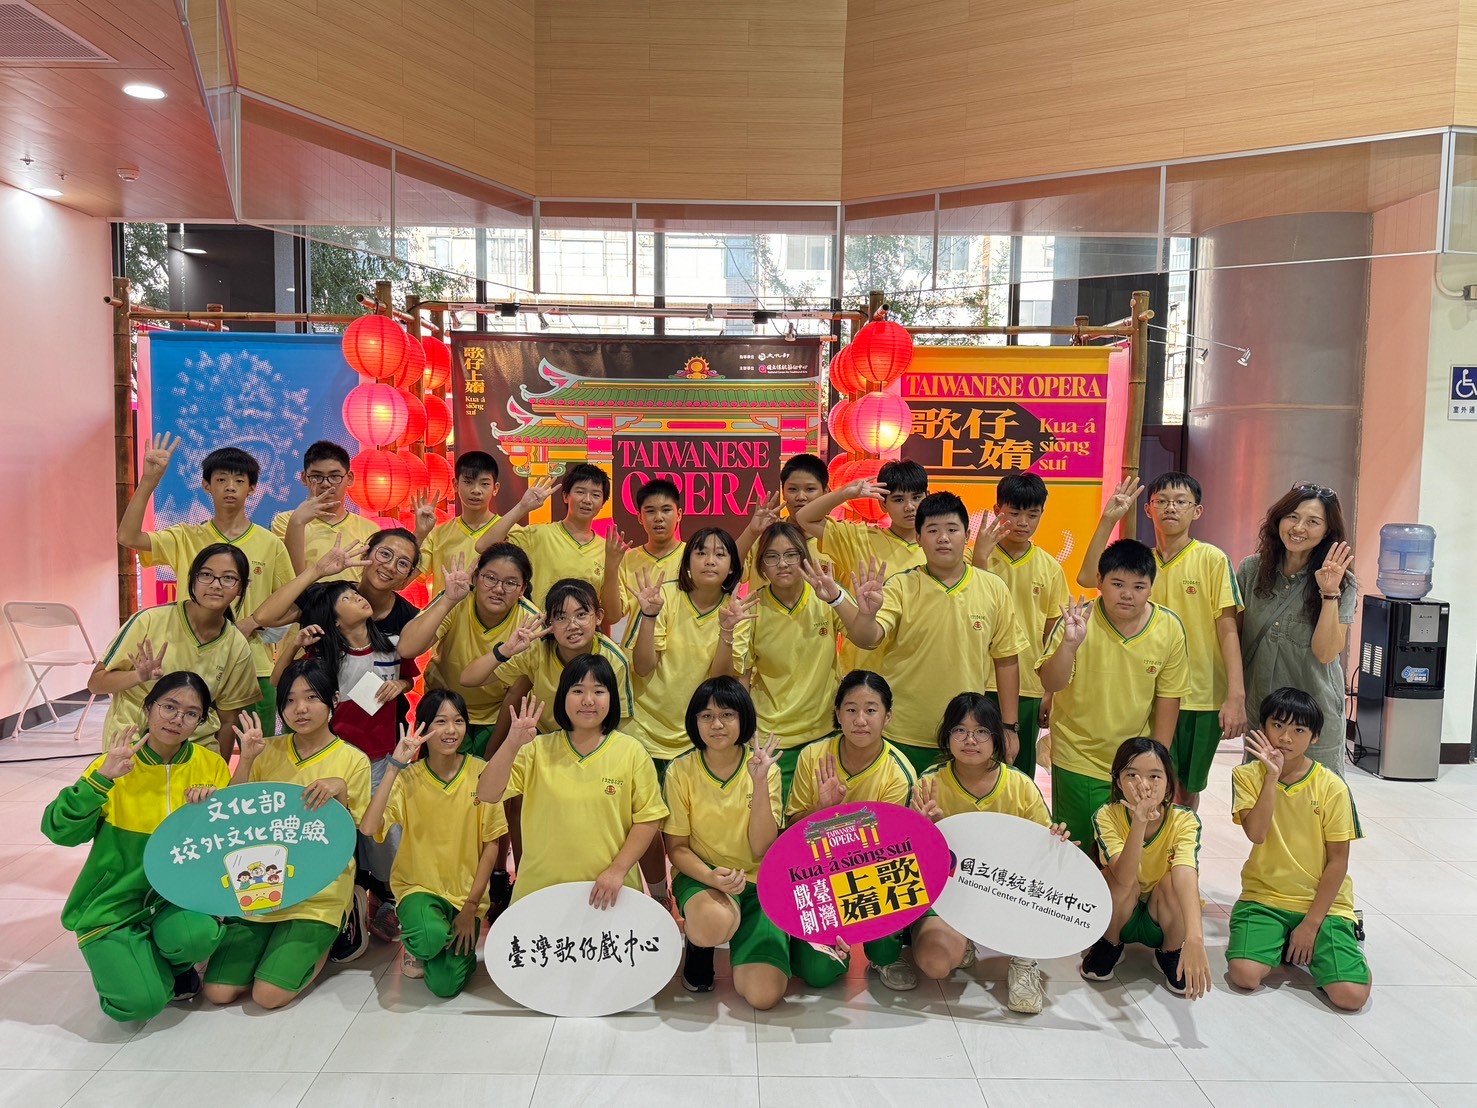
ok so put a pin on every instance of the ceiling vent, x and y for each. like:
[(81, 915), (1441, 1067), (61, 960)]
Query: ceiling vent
[(30, 36)]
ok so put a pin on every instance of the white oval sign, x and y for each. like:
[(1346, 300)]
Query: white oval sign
[(554, 953), (1017, 890)]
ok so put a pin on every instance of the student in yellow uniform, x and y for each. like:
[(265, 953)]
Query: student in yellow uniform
[(1116, 666), (567, 548), (972, 778), (323, 518), (476, 485), (724, 798), (659, 505), (486, 618), (901, 487), (448, 847), (1195, 582), (228, 476), (680, 635), (946, 627), (569, 628), (278, 954), (141, 951), (803, 477), (854, 764), (791, 664), (1297, 899), (591, 804), (197, 634), (1150, 852), (1037, 586)]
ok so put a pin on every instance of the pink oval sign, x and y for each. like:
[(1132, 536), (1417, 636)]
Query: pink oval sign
[(855, 871)]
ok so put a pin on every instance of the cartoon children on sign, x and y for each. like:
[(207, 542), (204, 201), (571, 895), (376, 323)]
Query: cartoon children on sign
[(259, 873)]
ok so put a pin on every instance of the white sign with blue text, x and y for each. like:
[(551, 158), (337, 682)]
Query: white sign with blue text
[(1462, 399)]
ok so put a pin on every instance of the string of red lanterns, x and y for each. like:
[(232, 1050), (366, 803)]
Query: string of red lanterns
[(869, 420)]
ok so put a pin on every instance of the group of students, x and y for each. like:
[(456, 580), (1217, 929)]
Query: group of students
[(756, 679)]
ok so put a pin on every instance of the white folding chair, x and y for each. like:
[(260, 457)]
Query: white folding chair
[(52, 620)]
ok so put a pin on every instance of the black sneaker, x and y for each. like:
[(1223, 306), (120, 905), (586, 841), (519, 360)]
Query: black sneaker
[(353, 940), (186, 985), (1101, 960), (1169, 965), (697, 969)]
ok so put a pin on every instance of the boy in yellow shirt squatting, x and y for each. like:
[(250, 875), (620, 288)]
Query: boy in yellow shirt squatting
[(1297, 900), (1194, 581), (1117, 668), (946, 626)]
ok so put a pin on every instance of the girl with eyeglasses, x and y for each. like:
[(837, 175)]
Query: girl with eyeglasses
[(791, 668), (196, 634), (141, 951), (1300, 595)]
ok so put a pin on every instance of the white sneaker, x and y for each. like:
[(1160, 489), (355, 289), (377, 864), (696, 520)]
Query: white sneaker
[(410, 965), (1026, 994), (899, 977), (971, 956)]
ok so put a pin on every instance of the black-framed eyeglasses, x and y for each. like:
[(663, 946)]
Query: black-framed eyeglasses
[(1322, 492)]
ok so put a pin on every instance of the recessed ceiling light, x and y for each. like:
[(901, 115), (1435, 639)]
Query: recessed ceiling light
[(144, 92), (50, 194), (193, 250)]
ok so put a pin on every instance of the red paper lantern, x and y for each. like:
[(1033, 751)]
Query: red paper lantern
[(882, 351), (868, 511), (878, 422), (418, 472), (440, 477), (845, 470), (376, 414), (415, 365), (844, 375), (381, 481), (377, 347), (438, 420), (415, 423), (839, 424), (438, 363)]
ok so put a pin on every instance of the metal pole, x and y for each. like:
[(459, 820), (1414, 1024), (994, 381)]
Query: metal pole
[(124, 462), (1133, 432)]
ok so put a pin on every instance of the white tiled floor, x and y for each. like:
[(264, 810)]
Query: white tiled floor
[(365, 1036)]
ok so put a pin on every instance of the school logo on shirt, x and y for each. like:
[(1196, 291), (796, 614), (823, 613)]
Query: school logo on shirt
[(610, 790), (1035, 590), (978, 623), (1151, 668), (1190, 590), (612, 784)]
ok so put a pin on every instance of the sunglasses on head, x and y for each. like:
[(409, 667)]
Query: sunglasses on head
[(1323, 493)]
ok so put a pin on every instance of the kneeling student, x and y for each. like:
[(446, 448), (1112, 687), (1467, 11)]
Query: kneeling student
[(724, 798), (971, 738), (1297, 899), (1150, 849)]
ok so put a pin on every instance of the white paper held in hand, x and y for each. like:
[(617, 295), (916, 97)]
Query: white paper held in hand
[(364, 691)]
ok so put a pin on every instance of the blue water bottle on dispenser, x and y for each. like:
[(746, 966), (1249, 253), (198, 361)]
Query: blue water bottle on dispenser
[(1407, 555)]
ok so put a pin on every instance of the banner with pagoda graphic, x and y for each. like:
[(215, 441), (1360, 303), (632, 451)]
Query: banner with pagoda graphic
[(717, 416)]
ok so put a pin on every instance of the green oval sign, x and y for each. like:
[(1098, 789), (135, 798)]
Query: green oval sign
[(249, 850)]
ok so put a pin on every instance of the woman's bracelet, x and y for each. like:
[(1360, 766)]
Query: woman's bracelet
[(1331, 596), (397, 763), (497, 652)]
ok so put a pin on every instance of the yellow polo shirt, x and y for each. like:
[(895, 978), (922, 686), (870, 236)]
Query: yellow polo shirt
[(445, 542), (686, 644), (556, 554), (319, 537), (1114, 682), (849, 546), (579, 810), (1175, 842), (634, 561), (461, 640), (941, 641), (224, 663), (541, 665), (443, 829), (280, 762), (1014, 794), (1284, 871), (712, 814), (1038, 591), (1197, 584), (269, 568), (889, 779), (793, 669)]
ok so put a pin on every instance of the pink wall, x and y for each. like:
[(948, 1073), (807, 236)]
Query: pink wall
[(56, 424)]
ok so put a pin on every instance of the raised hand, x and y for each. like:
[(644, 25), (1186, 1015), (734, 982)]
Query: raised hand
[(523, 722), (862, 489), (424, 502), (411, 741), (926, 799), (1261, 748), (536, 493), (323, 505), (760, 759), (820, 578), (249, 738), (615, 547), (767, 513), (650, 596), (121, 750), (1074, 621), (457, 578), (868, 584), (529, 632), (830, 790), (161, 448), (991, 528), (1336, 566), (309, 637), (338, 557), (148, 665), (1136, 799), (1123, 499), (736, 611)]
